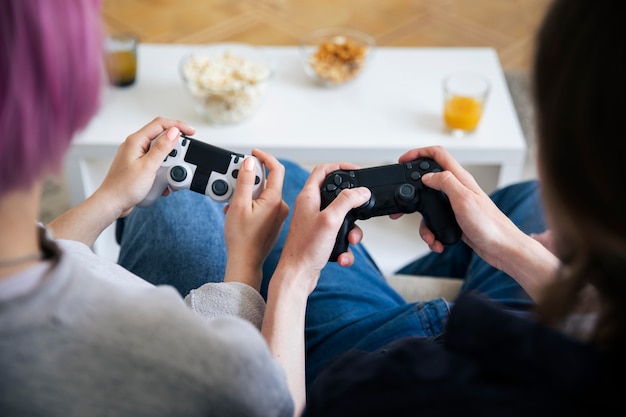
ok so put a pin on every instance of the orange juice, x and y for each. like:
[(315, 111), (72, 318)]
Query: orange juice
[(462, 113)]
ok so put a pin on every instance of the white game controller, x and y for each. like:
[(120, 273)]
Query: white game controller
[(197, 166)]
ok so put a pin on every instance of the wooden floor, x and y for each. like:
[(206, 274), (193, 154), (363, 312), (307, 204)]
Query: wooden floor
[(506, 25)]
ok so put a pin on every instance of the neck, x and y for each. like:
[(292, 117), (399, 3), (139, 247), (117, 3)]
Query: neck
[(19, 239)]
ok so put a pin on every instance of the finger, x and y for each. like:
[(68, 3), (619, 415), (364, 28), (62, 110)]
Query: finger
[(162, 146), (355, 235), (159, 124), (347, 200), (445, 181), (429, 238), (245, 183), (276, 171), (345, 259), (445, 160)]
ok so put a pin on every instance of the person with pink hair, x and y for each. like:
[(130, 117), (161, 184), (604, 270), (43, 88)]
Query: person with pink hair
[(83, 336)]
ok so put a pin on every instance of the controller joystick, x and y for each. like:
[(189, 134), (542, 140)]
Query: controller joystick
[(203, 168), (395, 188)]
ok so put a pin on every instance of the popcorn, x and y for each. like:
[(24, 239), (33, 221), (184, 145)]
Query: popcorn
[(229, 87)]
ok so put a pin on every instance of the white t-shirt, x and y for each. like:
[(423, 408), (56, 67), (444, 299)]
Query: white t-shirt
[(82, 336)]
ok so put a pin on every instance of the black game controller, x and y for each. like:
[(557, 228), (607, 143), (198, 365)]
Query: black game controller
[(203, 168), (395, 188)]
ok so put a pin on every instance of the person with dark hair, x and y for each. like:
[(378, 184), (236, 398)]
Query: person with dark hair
[(537, 327), (564, 354)]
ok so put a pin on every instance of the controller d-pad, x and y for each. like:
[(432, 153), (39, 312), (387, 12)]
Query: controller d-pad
[(178, 173), (172, 154), (219, 187)]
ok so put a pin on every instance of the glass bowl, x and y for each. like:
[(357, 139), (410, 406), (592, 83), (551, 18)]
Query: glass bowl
[(228, 81), (335, 56)]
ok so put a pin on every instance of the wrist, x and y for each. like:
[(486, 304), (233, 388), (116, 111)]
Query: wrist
[(244, 272), (105, 205), (297, 281)]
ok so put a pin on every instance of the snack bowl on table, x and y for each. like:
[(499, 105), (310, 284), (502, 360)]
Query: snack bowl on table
[(228, 81), (335, 56)]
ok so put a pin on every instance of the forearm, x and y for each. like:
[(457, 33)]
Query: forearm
[(283, 329), (530, 263), (86, 221)]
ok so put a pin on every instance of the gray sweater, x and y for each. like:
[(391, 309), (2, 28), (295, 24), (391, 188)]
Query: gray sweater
[(91, 339)]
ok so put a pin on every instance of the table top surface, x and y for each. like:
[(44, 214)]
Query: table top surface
[(395, 105)]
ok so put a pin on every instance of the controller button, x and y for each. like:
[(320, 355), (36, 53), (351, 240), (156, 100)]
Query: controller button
[(184, 142), (337, 179), (331, 187), (220, 187), (345, 185), (415, 175), (257, 180), (424, 165), (235, 173), (172, 154), (406, 192), (408, 165), (178, 173)]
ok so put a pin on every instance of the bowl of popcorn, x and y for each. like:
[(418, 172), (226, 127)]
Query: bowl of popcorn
[(227, 81), (334, 56)]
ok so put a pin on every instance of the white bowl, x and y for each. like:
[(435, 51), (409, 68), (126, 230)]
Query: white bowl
[(335, 56), (228, 81)]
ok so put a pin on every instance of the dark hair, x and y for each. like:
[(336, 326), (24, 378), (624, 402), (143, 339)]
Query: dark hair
[(580, 99), (50, 82)]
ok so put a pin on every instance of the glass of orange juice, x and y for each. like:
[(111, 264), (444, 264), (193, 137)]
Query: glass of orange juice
[(121, 59), (465, 95)]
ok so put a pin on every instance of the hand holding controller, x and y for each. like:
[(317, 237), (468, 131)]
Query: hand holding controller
[(203, 168), (396, 188)]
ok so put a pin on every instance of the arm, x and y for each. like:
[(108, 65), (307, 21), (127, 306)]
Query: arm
[(251, 227), (487, 230), (308, 246), (127, 182)]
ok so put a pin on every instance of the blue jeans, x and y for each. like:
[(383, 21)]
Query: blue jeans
[(179, 241)]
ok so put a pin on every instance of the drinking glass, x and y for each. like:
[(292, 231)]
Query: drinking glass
[(465, 95)]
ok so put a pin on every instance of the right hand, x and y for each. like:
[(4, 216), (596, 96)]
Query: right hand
[(485, 228), (252, 225)]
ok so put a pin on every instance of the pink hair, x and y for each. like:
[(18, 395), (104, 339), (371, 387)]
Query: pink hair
[(50, 83)]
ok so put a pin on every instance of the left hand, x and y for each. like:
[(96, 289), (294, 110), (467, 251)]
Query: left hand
[(127, 182), (313, 232), (252, 226), (133, 170)]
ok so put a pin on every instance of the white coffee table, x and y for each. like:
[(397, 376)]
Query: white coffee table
[(394, 106)]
